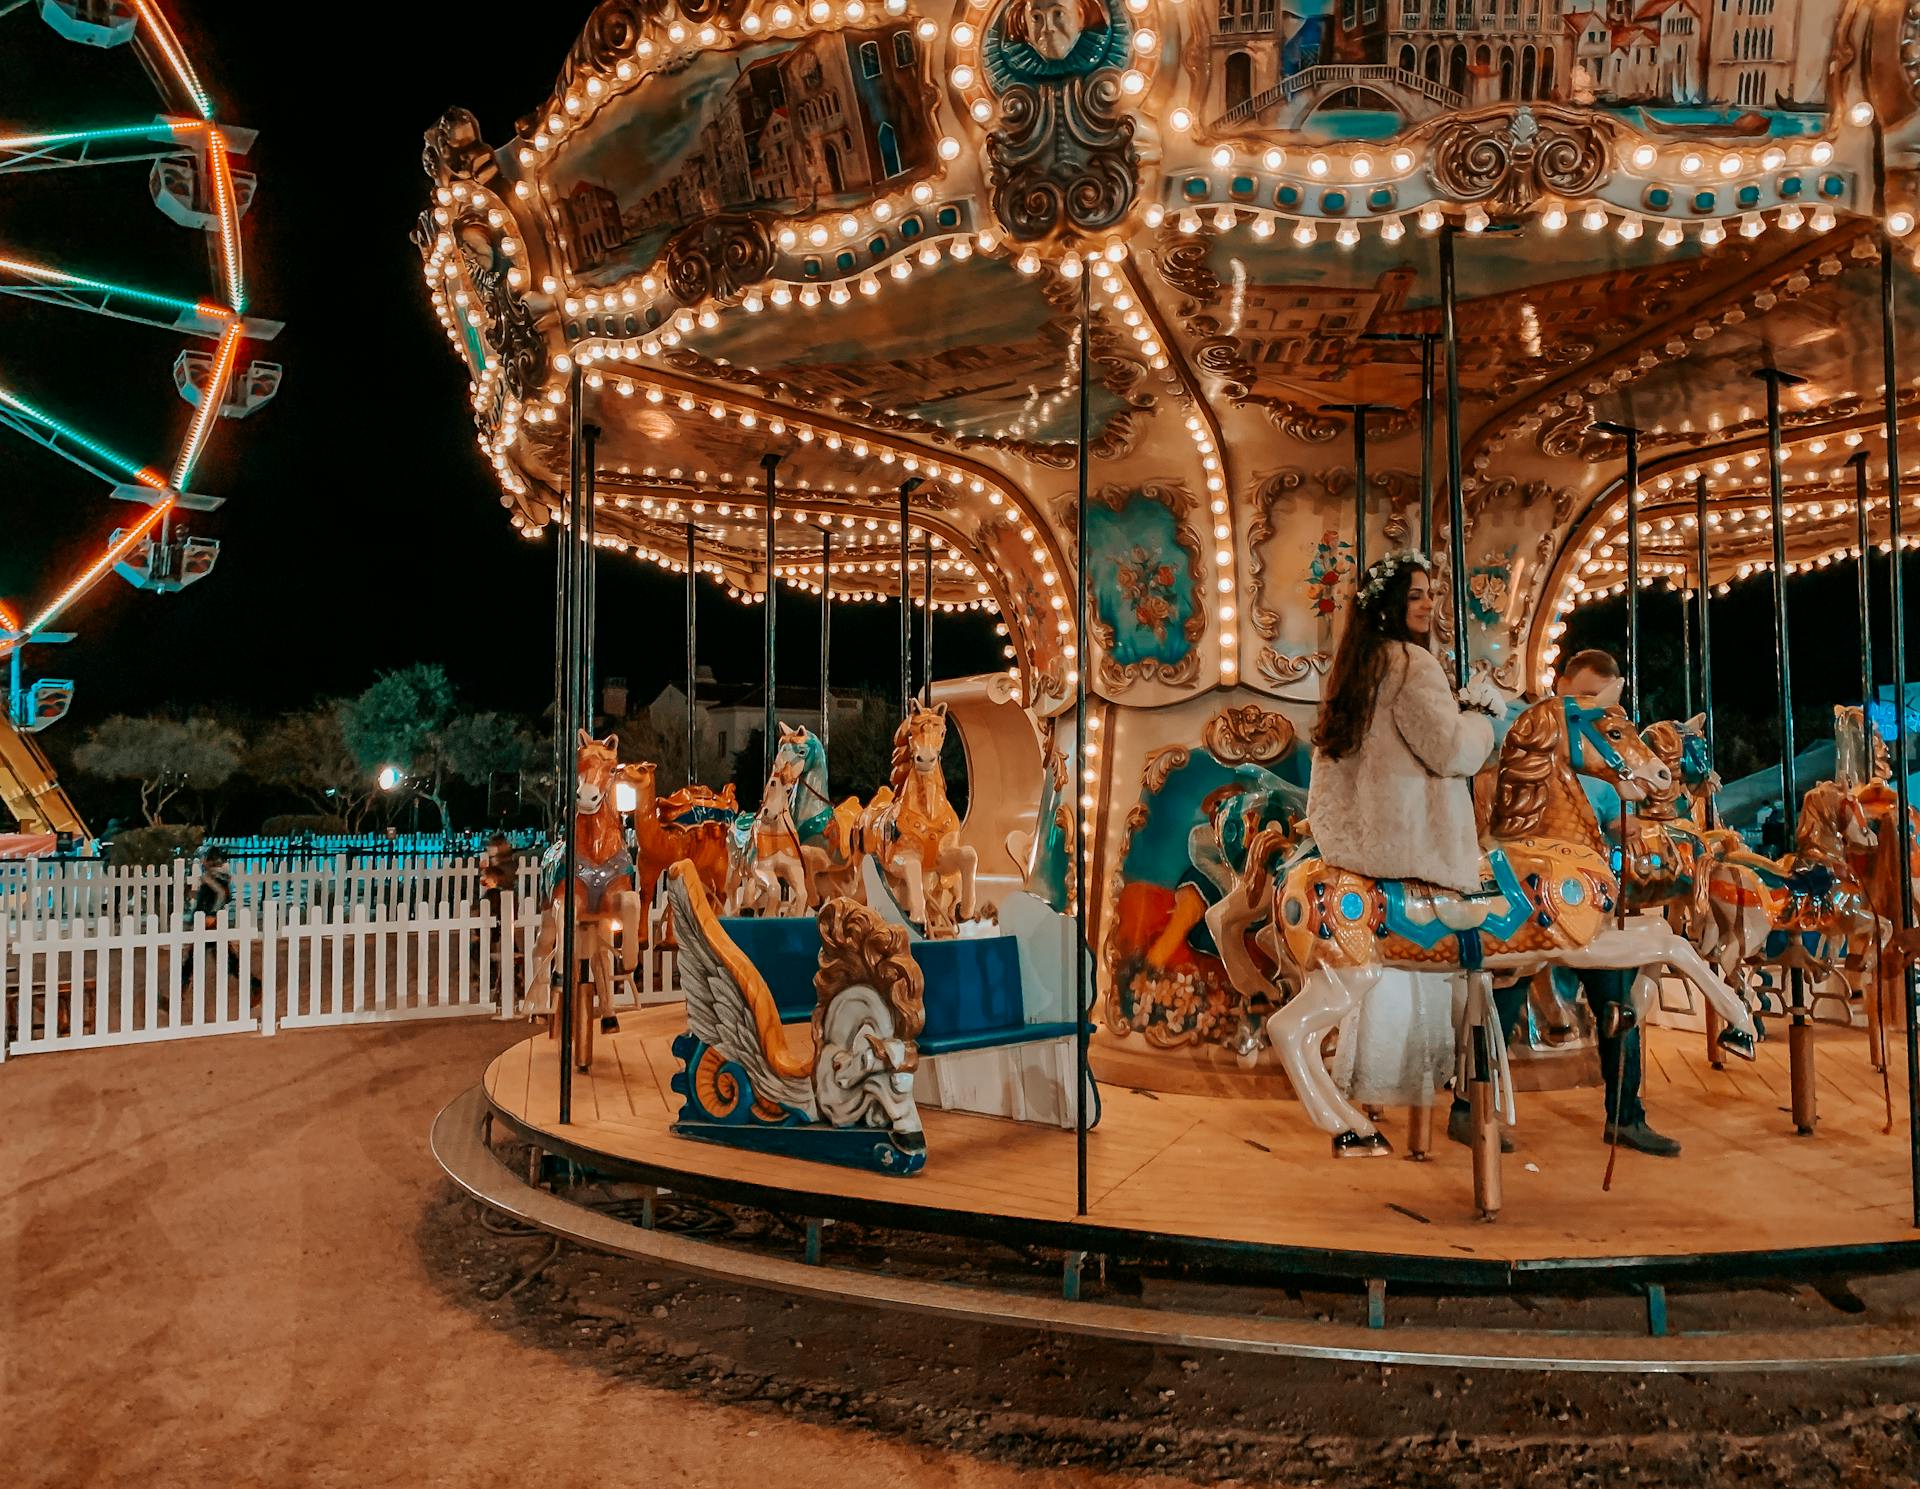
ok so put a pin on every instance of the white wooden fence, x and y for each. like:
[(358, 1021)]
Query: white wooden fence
[(65, 890), (81, 983)]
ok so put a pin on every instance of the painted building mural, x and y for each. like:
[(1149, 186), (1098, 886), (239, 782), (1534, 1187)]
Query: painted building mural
[(1362, 68), (796, 127)]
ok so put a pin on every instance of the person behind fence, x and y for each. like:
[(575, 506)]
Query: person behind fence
[(211, 896), (496, 881)]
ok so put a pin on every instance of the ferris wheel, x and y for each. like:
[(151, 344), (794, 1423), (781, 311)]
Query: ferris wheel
[(101, 121)]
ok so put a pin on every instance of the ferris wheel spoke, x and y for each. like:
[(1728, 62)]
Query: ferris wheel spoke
[(51, 286), (82, 449)]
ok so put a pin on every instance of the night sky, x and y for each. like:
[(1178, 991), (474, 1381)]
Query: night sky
[(362, 530)]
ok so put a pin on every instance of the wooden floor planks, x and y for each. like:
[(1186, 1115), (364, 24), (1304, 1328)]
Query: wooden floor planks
[(1251, 1169)]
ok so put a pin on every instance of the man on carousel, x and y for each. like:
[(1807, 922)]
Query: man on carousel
[(1593, 677)]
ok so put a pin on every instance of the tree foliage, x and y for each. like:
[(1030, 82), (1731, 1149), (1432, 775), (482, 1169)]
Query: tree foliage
[(307, 754), (166, 756)]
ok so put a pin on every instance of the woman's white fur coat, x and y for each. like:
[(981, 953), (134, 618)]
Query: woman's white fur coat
[(1401, 806)]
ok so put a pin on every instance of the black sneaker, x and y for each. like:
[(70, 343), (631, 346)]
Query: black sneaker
[(1643, 1139)]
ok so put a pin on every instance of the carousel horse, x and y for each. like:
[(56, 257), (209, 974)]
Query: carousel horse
[(605, 900), (1671, 846), (1547, 900), (1250, 827), (1802, 910), (913, 832), (661, 842), (695, 804), (802, 848)]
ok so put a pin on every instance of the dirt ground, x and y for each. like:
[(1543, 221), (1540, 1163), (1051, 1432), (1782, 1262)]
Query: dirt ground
[(234, 1262)]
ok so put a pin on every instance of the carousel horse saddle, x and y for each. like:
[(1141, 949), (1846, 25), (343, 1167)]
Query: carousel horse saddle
[(595, 877), (1426, 914)]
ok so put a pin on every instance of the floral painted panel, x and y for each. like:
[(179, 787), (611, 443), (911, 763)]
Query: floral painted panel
[(1143, 559)]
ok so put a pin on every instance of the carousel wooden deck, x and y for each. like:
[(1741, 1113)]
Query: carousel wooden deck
[(1253, 1171)]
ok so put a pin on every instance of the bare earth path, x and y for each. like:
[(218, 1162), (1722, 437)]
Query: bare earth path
[(228, 1262)]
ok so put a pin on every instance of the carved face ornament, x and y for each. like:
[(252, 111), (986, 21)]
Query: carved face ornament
[(1054, 27)]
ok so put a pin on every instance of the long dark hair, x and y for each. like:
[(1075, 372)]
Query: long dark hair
[(1374, 623)]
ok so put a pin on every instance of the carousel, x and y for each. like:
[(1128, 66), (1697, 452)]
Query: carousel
[(1144, 327)]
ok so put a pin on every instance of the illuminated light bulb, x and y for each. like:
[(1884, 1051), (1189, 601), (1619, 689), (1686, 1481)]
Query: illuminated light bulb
[(1729, 165), (708, 320), (1670, 235), (707, 36), (1593, 219), (1224, 218), (1155, 215), (1630, 227), (1476, 219), (839, 294), (753, 304), (1189, 222), (1028, 262), (869, 285), (1070, 266), (1304, 233), (1392, 230), (981, 110), (1132, 81), (1317, 166), (1644, 156), (949, 148), (1860, 113), (809, 295), (895, 7), (1554, 218), (1144, 41), (962, 76), (1362, 166), (1116, 252), (1430, 218), (676, 32), (562, 362), (962, 35), (929, 255), (1222, 156), (1263, 226), (781, 296), (1181, 120), (819, 11), (1790, 218), (1402, 161), (1712, 233), (849, 227), (750, 24), (783, 15), (1690, 164), (854, 10), (1900, 223), (1822, 153), (960, 249), (1752, 225), (1822, 219), (1347, 236), (986, 240)]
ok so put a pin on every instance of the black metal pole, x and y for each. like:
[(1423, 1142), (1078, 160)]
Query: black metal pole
[(693, 769), (1863, 536), (1358, 413), (826, 633), (1632, 436), (1686, 651), (770, 729), (1456, 500), (1426, 443), (1706, 610), (562, 559), (907, 488), (1897, 655), (590, 562), (569, 965), (1083, 655), (1800, 1034), (926, 630)]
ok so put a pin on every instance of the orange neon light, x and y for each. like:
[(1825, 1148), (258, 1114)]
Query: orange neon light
[(8, 620), (175, 54), (222, 172), (211, 399), (115, 552)]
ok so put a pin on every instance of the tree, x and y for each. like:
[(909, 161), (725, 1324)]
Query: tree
[(479, 744), (400, 721), (860, 749), (166, 756), (306, 753)]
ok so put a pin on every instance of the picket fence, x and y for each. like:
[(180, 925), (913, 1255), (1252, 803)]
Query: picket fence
[(64, 890), (132, 979)]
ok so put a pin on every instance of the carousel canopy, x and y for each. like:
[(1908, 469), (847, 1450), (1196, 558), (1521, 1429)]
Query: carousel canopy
[(878, 239)]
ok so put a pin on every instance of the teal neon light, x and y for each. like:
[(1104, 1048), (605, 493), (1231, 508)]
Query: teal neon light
[(85, 136), (119, 462), (60, 279)]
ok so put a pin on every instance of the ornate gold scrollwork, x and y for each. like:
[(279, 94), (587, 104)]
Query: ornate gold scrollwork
[(1510, 158), (1249, 733)]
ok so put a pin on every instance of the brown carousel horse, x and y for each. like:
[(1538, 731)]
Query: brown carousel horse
[(607, 908), (1548, 899), (662, 842), (913, 832)]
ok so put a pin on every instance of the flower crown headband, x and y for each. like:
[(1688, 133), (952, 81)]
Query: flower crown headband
[(1382, 574)]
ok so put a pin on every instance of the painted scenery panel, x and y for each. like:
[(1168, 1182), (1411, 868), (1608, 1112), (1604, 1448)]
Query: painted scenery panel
[(1367, 69), (790, 127), (982, 352)]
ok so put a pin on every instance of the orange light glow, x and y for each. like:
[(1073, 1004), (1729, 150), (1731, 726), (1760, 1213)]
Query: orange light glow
[(211, 398)]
